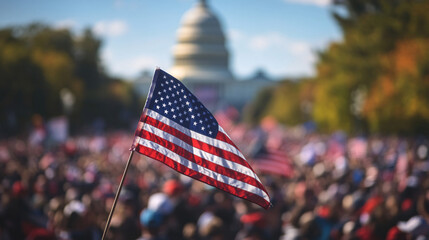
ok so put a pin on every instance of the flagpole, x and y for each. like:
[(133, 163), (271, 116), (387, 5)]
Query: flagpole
[(106, 228)]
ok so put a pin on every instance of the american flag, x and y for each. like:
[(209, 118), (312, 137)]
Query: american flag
[(176, 129), (273, 161)]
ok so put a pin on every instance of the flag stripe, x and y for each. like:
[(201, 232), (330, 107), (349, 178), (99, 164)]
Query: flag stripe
[(269, 166), (232, 158), (214, 142), (192, 155), (195, 171)]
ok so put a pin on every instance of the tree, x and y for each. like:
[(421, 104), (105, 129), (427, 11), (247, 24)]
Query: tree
[(358, 85)]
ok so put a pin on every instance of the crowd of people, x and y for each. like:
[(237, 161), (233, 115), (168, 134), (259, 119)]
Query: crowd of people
[(338, 187)]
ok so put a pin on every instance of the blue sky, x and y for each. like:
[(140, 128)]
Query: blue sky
[(279, 36)]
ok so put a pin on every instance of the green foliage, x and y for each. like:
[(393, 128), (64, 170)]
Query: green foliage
[(360, 81), (37, 62), (288, 102)]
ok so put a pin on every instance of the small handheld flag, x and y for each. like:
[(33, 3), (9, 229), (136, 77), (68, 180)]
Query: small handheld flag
[(176, 129)]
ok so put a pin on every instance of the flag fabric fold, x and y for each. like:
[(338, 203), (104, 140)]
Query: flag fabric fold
[(176, 129)]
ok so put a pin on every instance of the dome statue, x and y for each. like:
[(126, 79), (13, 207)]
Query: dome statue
[(200, 54)]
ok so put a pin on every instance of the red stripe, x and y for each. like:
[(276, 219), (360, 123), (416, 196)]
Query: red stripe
[(198, 144), (223, 137), (203, 178), (273, 168), (201, 161)]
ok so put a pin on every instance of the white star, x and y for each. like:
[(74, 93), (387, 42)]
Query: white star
[(203, 128), (172, 110), (173, 95), (171, 80), (157, 107), (198, 114), (165, 77), (185, 96), (181, 121), (156, 100), (167, 97), (175, 101), (174, 86), (164, 105), (210, 132), (177, 108), (180, 114), (195, 123), (174, 116), (190, 109), (162, 84), (164, 90), (187, 119), (180, 99), (162, 99), (201, 121), (187, 103), (169, 88), (166, 111), (192, 116), (169, 103)]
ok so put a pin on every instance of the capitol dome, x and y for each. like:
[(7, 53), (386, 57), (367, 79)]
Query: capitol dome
[(200, 54)]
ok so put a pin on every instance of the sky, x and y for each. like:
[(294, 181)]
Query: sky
[(281, 37)]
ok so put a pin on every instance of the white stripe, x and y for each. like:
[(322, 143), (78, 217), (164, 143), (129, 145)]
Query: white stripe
[(211, 141), (200, 153), (191, 165)]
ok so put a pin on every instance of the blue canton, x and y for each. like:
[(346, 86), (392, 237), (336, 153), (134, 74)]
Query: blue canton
[(173, 100)]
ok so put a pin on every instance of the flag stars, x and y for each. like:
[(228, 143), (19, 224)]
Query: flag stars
[(166, 111), (162, 99), (202, 128), (190, 109), (192, 116), (174, 116), (195, 123)]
